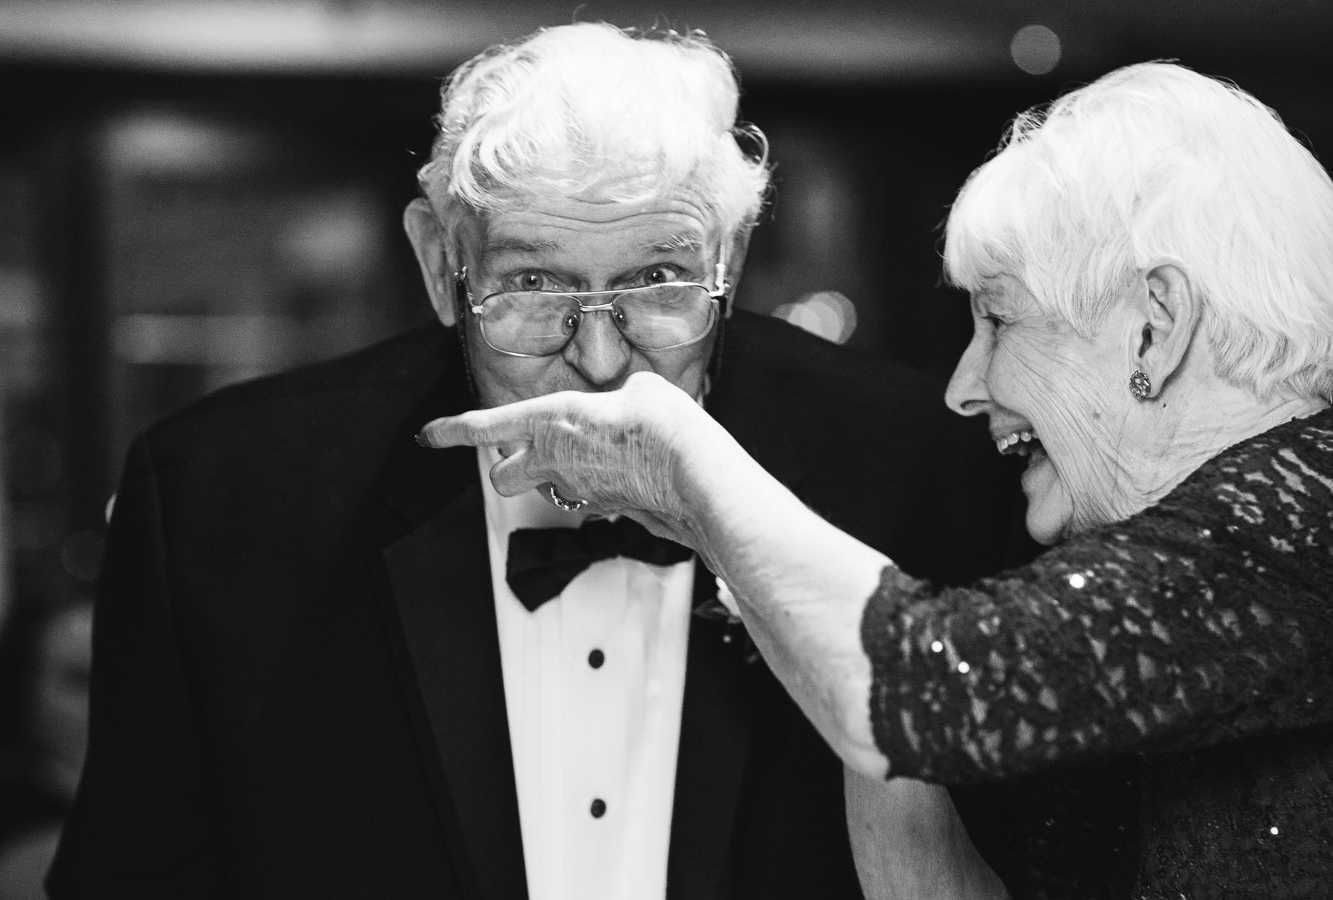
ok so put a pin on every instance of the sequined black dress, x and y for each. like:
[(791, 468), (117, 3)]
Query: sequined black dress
[(1183, 658)]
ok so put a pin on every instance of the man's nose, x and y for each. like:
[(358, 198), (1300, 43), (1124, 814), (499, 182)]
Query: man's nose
[(599, 351), (967, 393)]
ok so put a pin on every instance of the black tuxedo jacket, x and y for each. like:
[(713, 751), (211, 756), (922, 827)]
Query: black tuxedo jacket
[(297, 687)]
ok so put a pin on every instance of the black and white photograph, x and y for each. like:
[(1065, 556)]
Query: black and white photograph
[(666, 449)]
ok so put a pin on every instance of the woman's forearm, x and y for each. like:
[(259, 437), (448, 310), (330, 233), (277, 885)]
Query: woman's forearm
[(650, 451), (908, 842), (801, 585)]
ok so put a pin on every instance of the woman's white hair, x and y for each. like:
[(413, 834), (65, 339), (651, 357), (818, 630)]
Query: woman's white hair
[(1156, 161), (590, 107)]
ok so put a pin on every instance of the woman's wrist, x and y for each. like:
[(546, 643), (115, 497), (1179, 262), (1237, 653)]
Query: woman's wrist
[(722, 490), (707, 465)]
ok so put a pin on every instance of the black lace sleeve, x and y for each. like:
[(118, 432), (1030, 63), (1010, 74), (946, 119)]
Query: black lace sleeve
[(1207, 617)]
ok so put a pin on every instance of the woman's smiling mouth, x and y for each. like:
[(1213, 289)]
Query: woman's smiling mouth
[(1019, 442)]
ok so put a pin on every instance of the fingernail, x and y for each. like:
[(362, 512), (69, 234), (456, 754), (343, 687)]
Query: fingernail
[(420, 438)]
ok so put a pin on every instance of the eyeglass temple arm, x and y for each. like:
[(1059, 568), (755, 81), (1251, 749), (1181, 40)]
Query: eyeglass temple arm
[(460, 280), (721, 287)]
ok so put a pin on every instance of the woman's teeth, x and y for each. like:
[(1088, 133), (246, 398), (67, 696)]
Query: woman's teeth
[(1019, 442)]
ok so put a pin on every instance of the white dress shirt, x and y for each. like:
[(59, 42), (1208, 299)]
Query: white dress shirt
[(593, 681)]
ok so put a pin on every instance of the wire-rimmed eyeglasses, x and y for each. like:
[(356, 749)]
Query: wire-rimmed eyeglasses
[(652, 317)]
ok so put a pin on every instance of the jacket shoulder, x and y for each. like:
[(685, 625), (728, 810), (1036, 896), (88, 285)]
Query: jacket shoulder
[(880, 453), (763, 352), (358, 387)]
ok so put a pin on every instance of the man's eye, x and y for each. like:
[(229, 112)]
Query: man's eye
[(659, 274), (996, 322), (531, 280)]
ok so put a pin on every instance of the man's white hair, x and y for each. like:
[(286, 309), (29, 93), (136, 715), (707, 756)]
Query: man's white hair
[(589, 107), (1156, 161)]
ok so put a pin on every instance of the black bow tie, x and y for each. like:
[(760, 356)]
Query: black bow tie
[(543, 561)]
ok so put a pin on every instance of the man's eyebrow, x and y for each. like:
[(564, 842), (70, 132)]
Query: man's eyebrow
[(518, 245), (681, 241)]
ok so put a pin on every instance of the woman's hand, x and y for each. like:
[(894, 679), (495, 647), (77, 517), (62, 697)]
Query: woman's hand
[(650, 452), (631, 451)]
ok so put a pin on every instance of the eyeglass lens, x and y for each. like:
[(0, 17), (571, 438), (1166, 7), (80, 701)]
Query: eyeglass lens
[(656, 317)]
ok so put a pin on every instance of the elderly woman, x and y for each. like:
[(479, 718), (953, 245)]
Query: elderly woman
[(1150, 266)]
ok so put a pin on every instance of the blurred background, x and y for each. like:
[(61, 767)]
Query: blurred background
[(193, 192)]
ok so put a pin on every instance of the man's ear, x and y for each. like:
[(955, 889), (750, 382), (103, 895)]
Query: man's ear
[(1167, 321), (437, 269), (740, 244)]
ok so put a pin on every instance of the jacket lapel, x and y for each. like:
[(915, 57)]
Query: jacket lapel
[(710, 765), (429, 523), (442, 593), (717, 718)]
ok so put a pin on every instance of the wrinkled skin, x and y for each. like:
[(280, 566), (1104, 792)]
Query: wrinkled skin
[(586, 242), (629, 452), (1029, 370), (580, 243), (1105, 454)]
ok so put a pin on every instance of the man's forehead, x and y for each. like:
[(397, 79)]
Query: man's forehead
[(612, 200), (580, 210), (665, 226), (519, 244), (535, 235)]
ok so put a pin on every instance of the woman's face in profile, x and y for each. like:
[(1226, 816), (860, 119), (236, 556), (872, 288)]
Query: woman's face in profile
[(1054, 396)]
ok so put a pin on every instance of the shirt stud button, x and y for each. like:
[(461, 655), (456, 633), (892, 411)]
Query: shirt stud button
[(598, 808), (596, 658)]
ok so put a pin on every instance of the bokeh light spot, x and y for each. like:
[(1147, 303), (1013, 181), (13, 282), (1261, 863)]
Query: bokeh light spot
[(829, 314), (1035, 49)]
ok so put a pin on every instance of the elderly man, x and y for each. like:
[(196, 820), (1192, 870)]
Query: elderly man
[(330, 663)]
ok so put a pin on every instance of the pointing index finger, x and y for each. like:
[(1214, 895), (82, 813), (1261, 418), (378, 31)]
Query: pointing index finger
[(486, 427)]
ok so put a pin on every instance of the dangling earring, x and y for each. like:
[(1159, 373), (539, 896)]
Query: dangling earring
[(1139, 385)]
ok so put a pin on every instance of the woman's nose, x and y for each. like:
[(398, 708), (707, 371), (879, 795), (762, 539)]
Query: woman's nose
[(967, 394), (599, 351)]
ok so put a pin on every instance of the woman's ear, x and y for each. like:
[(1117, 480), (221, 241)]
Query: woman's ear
[(437, 269), (1169, 320)]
